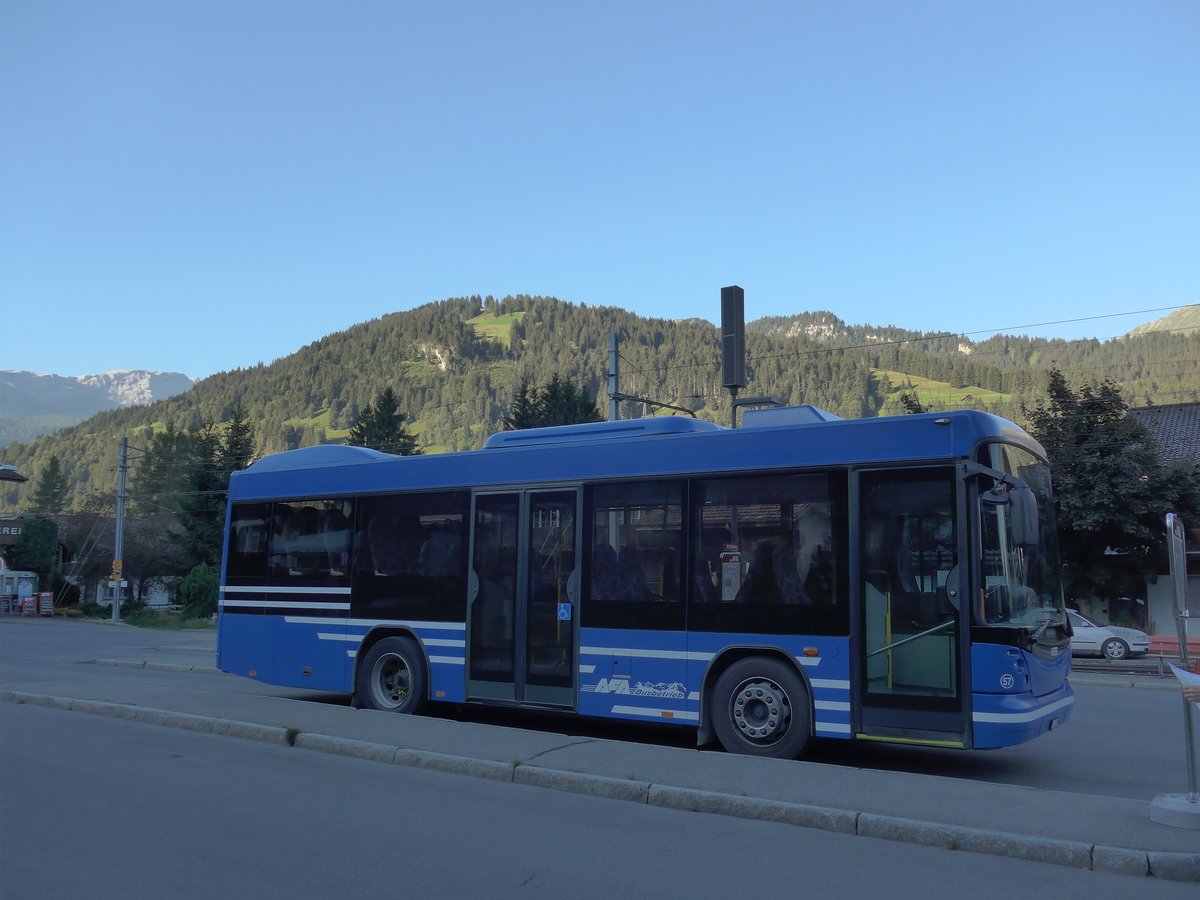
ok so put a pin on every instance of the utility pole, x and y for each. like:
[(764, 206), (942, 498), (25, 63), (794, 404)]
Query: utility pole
[(614, 383), (614, 379), (118, 580)]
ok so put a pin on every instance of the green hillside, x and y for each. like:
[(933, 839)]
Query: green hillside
[(455, 365), (26, 428), (496, 327), (942, 395)]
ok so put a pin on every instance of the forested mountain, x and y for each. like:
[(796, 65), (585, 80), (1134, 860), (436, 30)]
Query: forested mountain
[(455, 366), (1156, 363), (33, 404)]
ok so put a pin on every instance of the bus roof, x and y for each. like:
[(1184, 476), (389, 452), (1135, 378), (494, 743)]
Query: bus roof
[(790, 437)]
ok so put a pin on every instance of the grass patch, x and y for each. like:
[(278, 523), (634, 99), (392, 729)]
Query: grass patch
[(152, 619), (496, 328), (322, 421), (941, 394)]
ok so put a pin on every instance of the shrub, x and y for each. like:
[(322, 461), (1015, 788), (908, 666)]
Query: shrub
[(131, 606), (198, 593)]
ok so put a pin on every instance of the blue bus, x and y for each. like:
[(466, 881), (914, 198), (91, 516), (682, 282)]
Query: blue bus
[(892, 579)]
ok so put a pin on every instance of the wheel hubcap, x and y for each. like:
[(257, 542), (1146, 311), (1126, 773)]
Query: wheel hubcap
[(392, 680), (760, 710)]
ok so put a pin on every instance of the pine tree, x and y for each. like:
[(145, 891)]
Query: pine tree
[(381, 427), (160, 476), (202, 506), (36, 549), (237, 444), (558, 402), (188, 474), (52, 490), (523, 412), (1112, 493), (564, 403), (911, 402)]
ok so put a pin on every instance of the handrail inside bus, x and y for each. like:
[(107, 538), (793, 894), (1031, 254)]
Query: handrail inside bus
[(911, 638)]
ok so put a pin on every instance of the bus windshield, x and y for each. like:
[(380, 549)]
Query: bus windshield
[(1021, 585)]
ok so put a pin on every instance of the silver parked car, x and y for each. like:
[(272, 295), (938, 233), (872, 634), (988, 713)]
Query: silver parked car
[(1109, 641)]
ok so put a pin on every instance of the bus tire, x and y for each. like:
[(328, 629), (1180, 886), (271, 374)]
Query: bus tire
[(393, 677), (760, 707)]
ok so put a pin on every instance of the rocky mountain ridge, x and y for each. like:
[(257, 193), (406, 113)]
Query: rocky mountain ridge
[(33, 403), (35, 394)]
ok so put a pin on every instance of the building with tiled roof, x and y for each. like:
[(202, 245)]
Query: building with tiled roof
[(1176, 427)]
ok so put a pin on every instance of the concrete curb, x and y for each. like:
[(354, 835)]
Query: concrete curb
[(806, 816), (157, 667), (1169, 866), (1137, 682), (267, 733)]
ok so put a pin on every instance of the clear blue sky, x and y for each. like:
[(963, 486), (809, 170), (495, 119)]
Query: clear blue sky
[(198, 186)]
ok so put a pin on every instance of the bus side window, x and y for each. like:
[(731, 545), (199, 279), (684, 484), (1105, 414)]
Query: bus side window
[(634, 568), (335, 527), (441, 552), (706, 582), (607, 583), (384, 547), (413, 559), (310, 541), (767, 554)]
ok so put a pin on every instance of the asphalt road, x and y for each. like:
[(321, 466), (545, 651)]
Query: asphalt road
[(98, 807), (1119, 742)]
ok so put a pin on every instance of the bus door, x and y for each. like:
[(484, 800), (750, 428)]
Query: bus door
[(911, 633), (523, 597)]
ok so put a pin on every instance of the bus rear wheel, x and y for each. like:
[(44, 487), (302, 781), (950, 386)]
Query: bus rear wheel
[(392, 677), (760, 707)]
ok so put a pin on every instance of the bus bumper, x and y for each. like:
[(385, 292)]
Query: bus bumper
[(1003, 720)]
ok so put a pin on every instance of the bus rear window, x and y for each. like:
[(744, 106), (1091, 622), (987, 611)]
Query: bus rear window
[(246, 556)]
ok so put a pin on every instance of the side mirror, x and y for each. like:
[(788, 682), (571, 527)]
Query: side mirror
[(1025, 526), (1023, 512)]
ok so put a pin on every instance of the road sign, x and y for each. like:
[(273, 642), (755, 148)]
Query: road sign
[(1177, 557)]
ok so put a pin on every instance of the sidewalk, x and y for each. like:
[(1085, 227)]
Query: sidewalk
[(1085, 831)]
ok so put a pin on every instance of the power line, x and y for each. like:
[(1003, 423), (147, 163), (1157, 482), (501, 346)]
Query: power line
[(927, 338), (1136, 312)]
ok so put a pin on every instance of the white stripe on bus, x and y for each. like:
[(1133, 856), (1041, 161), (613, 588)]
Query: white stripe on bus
[(656, 713), (1015, 718), (285, 604), (645, 654), (831, 705), (370, 623), (242, 589), (830, 684)]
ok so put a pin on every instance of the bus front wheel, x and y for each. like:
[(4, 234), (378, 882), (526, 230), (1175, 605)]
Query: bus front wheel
[(760, 707), (392, 677)]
